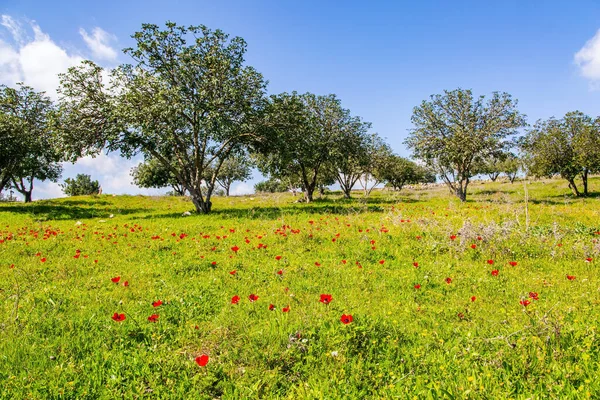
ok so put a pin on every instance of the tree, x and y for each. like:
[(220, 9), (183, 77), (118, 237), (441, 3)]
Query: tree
[(189, 98), (569, 147), (235, 168), (510, 166), (454, 131), (303, 131), (491, 165), (271, 185), (378, 156), (401, 171), (153, 174), (82, 185), (28, 147)]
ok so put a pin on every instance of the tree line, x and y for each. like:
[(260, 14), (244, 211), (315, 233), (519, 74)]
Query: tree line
[(202, 118)]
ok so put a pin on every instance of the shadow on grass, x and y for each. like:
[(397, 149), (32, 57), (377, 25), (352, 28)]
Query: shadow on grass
[(51, 211)]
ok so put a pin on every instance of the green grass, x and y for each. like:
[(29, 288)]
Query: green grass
[(58, 340)]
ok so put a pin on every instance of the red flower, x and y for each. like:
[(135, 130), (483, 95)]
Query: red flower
[(381, 261), (346, 319), (534, 295), (473, 246), (235, 248), (417, 286), (286, 309), (571, 277), (214, 263), (153, 318), (126, 283), (344, 261), (271, 307), (278, 258), (418, 237), (157, 303), (253, 297), (512, 263), (452, 237), (461, 315), (416, 264), (589, 259), (318, 264), (118, 317), (479, 238), (491, 262), (473, 298), (326, 298), (116, 279), (232, 272), (43, 259), (525, 303), (202, 360), (495, 272), (235, 299), (448, 280), (280, 272)]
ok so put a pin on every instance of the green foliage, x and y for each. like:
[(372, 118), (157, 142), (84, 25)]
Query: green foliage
[(237, 167), (153, 174), (455, 131), (569, 147), (271, 185), (188, 102), (82, 185), (27, 145), (400, 171)]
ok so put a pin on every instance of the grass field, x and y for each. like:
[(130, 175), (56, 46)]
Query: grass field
[(495, 298)]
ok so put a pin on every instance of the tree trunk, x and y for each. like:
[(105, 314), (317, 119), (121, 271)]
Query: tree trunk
[(494, 176), (308, 193), (346, 192), (227, 190), (512, 177), (27, 195), (584, 178), (573, 187), (203, 206)]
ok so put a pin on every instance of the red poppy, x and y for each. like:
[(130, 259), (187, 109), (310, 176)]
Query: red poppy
[(448, 280), (461, 315), (571, 277), (525, 302), (589, 259), (534, 295), (153, 318), (326, 298), (232, 272), (318, 264), (271, 307), (512, 263), (479, 238), (253, 297), (473, 246), (344, 261), (381, 261), (235, 248), (491, 262), (452, 237), (278, 258), (214, 263), (126, 283), (473, 298), (43, 259), (418, 237), (417, 286), (118, 317), (495, 272), (416, 264), (116, 279), (286, 309), (202, 360), (157, 303), (235, 299), (346, 319)]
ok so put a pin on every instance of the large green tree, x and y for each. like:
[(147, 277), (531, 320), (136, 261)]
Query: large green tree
[(454, 131), (569, 147), (28, 148), (188, 98)]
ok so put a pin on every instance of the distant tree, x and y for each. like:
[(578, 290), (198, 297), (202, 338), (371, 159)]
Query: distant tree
[(153, 174), (491, 165), (303, 130), (188, 97), (28, 147), (569, 147), (379, 154), (235, 168), (401, 171), (82, 185), (271, 186), (511, 166), (454, 131)]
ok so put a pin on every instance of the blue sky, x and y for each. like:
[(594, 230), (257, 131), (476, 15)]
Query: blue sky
[(380, 58)]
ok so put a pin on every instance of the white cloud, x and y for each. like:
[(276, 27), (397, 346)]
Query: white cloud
[(240, 188), (588, 59), (37, 61), (98, 43)]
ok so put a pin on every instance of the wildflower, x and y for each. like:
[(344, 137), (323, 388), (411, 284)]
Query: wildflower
[(452, 237), (235, 249), (326, 298), (157, 303), (271, 307), (118, 317), (417, 286), (202, 360), (473, 298), (286, 309), (416, 264), (278, 258), (534, 295), (525, 302), (116, 279), (235, 299), (232, 272), (448, 280), (495, 272), (280, 272), (512, 263), (153, 318), (571, 277), (253, 297), (346, 319), (491, 262), (473, 246)]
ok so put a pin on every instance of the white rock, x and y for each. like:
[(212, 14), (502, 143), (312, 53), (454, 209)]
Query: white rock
[(186, 214)]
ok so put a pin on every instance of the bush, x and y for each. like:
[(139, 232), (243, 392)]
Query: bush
[(270, 186), (80, 186)]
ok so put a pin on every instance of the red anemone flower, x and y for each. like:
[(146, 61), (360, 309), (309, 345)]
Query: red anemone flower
[(153, 318), (491, 262), (473, 246), (43, 259), (157, 303), (253, 297), (346, 319), (495, 272), (473, 298), (118, 317), (512, 263), (235, 248), (271, 307), (280, 272), (589, 259), (525, 303), (571, 277), (448, 280), (232, 272), (126, 283), (326, 298), (417, 286), (534, 295), (235, 299), (381, 261), (416, 264), (202, 360), (286, 309), (278, 258), (452, 237), (116, 279)]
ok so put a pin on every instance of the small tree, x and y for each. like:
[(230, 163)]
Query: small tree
[(82, 185), (379, 154), (154, 174), (401, 171), (511, 166), (236, 168), (455, 131), (271, 185)]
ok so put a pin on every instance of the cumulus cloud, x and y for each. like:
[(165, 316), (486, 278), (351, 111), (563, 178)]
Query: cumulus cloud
[(29, 55), (98, 43), (588, 59)]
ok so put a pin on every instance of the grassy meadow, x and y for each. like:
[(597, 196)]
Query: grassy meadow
[(494, 298)]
